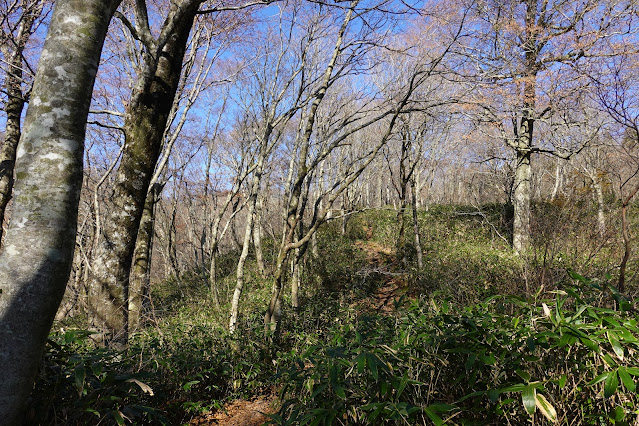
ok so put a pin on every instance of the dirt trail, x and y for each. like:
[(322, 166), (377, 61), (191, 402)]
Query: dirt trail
[(240, 413), (254, 412), (381, 260)]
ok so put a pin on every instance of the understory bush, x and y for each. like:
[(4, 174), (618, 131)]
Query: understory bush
[(166, 376), (566, 359)]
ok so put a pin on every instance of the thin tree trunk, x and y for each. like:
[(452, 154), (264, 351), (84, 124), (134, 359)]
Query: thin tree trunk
[(403, 198), (140, 271), (599, 198), (627, 242), (418, 244), (558, 180), (39, 243), (257, 237), (248, 231), (13, 109)]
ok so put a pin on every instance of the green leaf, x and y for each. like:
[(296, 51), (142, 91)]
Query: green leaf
[(319, 390), (530, 343), (627, 381), (633, 370), (619, 414), (80, 375), (608, 359), (610, 385), (626, 335), (361, 363), (523, 374), (339, 391), (562, 381), (434, 417), (470, 361), (528, 398), (383, 390), (589, 344), (616, 346), (188, 385), (493, 395), (117, 415), (514, 388), (487, 359), (546, 408), (600, 378), (372, 364)]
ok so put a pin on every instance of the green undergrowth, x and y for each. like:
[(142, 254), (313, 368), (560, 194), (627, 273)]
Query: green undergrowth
[(561, 359), (480, 337)]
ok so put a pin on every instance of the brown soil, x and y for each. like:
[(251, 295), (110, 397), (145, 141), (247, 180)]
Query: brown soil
[(240, 413), (381, 259)]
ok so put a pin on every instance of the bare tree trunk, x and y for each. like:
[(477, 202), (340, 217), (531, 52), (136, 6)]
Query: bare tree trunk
[(38, 252), (524, 136), (627, 242), (13, 109), (13, 53), (145, 123), (599, 198), (558, 180), (248, 231), (521, 203), (402, 192), (140, 271), (171, 244), (418, 244), (257, 237), (296, 272), (380, 186)]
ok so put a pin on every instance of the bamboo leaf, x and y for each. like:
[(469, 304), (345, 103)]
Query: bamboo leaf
[(80, 375), (600, 378), (611, 383), (616, 346), (626, 379), (528, 398), (546, 408)]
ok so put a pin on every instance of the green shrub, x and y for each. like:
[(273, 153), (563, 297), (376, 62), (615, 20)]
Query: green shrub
[(565, 359)]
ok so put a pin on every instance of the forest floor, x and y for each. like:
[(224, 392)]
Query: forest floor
[(255, 411), (382, 262), (241, 413)]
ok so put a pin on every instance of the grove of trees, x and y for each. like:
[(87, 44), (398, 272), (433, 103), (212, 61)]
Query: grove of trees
[(161, 136)]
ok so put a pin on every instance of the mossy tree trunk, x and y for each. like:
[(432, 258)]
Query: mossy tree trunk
[(39, 243), (140, 271), (144, 127)]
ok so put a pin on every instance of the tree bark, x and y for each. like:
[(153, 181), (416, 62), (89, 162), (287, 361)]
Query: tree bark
[(248, 231), (15, 104), (524, 135), (418, 244), (36, 261), (140, 271), (627, 242), (257, 237), (521, 202), (145, 123), (599, 198)]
